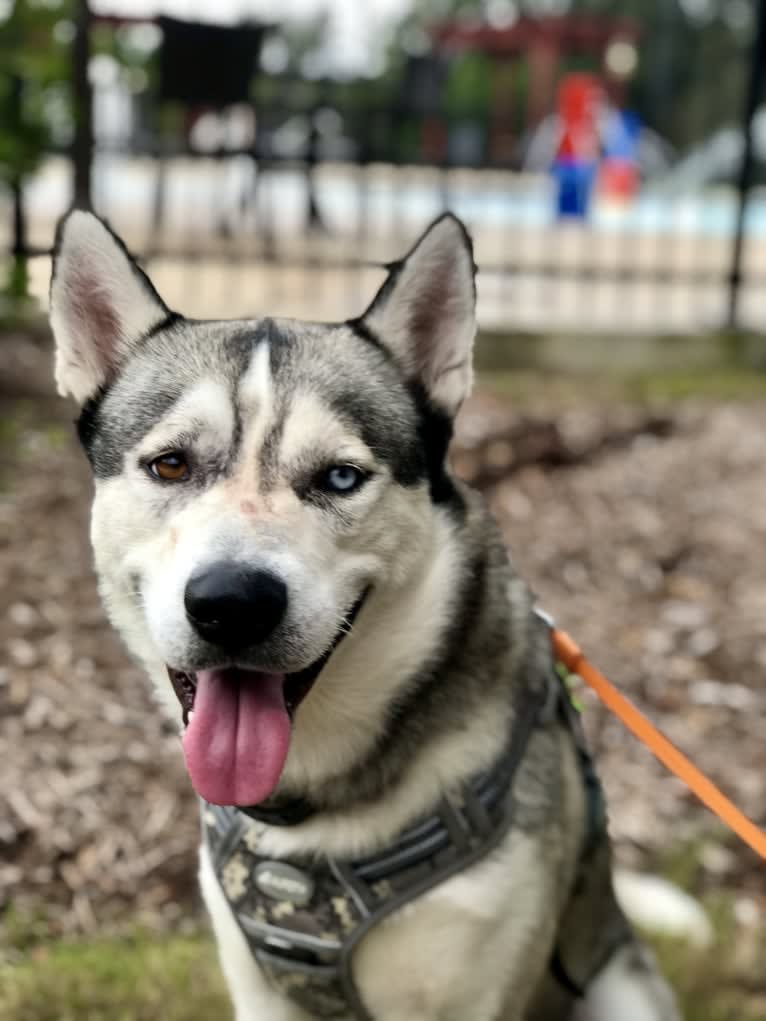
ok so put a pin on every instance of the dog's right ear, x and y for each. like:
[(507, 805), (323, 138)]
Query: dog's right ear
[(101, 305), (425, 313)]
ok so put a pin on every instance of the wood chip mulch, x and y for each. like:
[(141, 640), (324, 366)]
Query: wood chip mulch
[(644, 533)]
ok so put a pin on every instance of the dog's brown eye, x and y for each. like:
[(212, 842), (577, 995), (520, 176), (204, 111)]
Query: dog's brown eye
[(171, 467)]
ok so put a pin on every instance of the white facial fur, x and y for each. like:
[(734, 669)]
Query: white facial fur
[(145, 530)]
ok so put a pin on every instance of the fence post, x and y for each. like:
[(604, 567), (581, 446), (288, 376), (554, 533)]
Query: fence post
[(82, 144), (747, 166), (17, 281)]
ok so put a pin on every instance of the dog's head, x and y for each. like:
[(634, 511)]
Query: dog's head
[(259, 484)]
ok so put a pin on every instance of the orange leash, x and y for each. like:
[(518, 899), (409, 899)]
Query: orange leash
[(570, 654)]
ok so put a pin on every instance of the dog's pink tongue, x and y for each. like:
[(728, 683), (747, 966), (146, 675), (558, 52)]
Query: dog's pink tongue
[(237, 739)]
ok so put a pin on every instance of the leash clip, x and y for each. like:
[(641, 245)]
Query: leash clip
[(545, 617)]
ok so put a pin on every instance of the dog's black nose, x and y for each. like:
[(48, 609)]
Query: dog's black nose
[(234, 607)]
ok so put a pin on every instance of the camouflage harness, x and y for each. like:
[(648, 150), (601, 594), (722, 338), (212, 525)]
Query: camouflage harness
[(304, 918)]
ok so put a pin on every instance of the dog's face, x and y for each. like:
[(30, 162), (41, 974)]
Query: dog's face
[(258, 483)]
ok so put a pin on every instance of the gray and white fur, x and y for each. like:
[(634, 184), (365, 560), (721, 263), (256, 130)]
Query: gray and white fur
[(421, 693)]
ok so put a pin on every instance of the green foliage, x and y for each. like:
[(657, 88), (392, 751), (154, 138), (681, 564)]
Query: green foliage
[(33, 68), (679, 87), (691, 72), (469, 86), (17, 283)]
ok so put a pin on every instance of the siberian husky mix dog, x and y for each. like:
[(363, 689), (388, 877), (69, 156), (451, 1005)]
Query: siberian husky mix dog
[(333, 621)]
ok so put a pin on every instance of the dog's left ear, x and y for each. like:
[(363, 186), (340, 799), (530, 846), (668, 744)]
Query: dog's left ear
[(425, 313)]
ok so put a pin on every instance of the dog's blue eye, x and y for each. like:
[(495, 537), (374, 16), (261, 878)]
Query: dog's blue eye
[(342, 478)]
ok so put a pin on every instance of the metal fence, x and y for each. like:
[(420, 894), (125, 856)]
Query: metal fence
[(292, 205)]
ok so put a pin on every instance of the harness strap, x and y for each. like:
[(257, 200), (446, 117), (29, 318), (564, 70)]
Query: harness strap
[(562, 976), (484, 841), (592, 917)]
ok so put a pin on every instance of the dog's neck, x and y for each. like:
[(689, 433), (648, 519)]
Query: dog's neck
[(420, 698)]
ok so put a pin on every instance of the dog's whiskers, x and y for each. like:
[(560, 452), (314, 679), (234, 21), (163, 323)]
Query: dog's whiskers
[(345, 625)]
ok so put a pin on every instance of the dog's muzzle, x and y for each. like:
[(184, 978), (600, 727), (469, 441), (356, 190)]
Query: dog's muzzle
[(296, 685)]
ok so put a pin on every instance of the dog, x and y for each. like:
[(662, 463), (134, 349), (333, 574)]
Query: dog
[(400, 818)]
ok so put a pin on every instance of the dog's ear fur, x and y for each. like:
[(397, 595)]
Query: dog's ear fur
[(101, 305), (425, 313)]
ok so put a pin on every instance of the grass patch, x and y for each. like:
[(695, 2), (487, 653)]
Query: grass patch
[(140, 978), (148, 978), (528, 388), (724, 983), (721, 385)]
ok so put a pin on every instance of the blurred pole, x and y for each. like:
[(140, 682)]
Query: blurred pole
[(747, 167), (82, 144), (662, 63), (313, 215), (17, 284)]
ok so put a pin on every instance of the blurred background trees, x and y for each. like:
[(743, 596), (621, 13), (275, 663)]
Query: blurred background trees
[(689, 79), (410, 96), (34, 100)]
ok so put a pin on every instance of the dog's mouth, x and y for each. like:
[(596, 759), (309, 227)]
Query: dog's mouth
[(295, 686), (238, 721)]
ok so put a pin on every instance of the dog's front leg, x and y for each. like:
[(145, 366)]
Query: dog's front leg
[(630, 988), (251, 995)]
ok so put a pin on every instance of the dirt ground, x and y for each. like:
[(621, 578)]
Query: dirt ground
[(642, 530)]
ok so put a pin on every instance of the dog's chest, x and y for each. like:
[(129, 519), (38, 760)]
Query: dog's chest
[(340, 948), (296, 921), (395, 935)]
